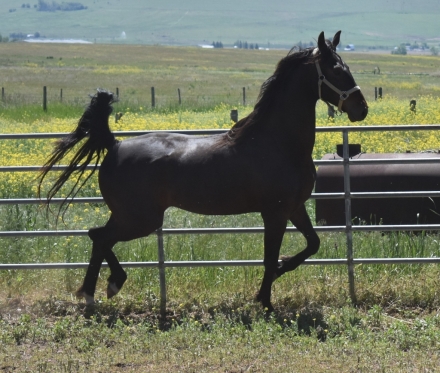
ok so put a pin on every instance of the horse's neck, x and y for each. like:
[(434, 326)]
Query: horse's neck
[(294, 124)]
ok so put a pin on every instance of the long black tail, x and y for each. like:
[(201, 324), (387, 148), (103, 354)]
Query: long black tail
[(94, 125)]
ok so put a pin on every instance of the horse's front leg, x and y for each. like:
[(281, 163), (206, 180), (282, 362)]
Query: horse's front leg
[(274, 228), (301, 221)]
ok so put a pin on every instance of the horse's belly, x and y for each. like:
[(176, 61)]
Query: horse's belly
[(214, 198)]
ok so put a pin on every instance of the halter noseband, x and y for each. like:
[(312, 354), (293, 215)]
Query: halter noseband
[(343, 95)]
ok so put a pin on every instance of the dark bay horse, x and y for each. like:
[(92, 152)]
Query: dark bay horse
[(263, 164)]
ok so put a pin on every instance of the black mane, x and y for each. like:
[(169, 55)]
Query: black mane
[(271, 89)]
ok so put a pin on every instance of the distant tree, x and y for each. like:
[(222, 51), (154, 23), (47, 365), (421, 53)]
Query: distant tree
[(401, 49), (37, 35), (17, 36), (434, 51), (251, 46), (241, 45), (47, 6), (256, 46)]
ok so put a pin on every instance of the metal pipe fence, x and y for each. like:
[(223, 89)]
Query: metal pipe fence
[(162, 264)]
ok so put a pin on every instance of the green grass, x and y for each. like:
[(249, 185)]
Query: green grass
[(239, 341)]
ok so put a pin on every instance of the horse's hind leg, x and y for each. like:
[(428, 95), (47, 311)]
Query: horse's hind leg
[(301, 221), (117, 276), (104, 238), (103, 243)]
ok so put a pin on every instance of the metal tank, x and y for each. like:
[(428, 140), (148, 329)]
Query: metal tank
[(380, 178)]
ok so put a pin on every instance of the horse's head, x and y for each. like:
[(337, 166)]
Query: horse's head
[(336, 85)]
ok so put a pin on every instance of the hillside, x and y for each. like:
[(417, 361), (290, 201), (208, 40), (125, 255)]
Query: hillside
[(270, 24)]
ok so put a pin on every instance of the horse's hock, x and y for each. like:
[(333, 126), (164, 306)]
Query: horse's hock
[(380, 178)]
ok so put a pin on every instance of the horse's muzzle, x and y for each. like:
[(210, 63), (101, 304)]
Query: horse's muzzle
[(358, 115)]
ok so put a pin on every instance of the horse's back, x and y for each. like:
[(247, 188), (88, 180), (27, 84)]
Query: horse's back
[(201, 174)]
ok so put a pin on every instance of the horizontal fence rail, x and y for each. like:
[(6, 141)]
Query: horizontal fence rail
[(220, 263), (347, 195)]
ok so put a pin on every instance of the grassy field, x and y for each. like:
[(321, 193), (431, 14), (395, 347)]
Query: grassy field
[(205, 77), (212, 323), (379, 24)]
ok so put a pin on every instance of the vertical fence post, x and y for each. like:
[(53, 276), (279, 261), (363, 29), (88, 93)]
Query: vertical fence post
[(380, 92), (330, 111), (244, 96), (375, 93), (45, 98), (412, 106), (3, 94), (234, 115), (117, 91), (162, 281), (153, 99), (348, 224), (180, 98), (61, 95)]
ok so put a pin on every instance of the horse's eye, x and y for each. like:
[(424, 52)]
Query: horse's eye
[(338, 69)]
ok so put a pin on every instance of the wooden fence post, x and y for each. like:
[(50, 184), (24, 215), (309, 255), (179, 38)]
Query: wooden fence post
[(330, 111), (118, 116), (180, 98), (234, 115), (380, 92), (244, 96), (117, 92), (61, 95), (45, 98), (375, 93), (3, 94), (153, 99)]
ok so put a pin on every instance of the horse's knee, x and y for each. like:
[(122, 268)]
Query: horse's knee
[(95, 233)]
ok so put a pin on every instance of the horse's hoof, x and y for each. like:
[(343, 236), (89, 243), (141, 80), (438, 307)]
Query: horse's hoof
[(258, 296), (90, 299), (112, 290), (268, 308)]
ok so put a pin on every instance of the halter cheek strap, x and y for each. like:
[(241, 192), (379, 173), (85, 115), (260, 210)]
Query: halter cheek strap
[(343, 95)]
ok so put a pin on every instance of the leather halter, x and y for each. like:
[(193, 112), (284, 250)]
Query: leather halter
[(343, 95)]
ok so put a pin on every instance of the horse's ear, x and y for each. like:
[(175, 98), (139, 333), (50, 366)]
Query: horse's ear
[(336, 39), (322, 45)]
